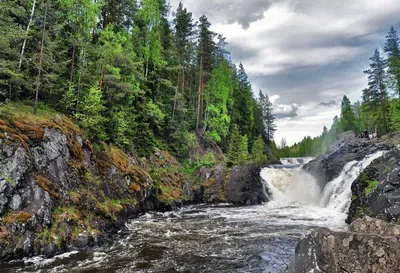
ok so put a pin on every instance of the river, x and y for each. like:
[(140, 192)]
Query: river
[(219, 238)]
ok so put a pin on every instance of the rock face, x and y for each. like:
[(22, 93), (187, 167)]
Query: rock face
[(347, 148), (376, 192), (370, 245), (245, 186), (59, 191)]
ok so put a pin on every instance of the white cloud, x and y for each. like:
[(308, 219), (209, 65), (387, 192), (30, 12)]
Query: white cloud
[(310, 121)]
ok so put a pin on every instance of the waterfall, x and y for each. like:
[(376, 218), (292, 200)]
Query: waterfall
[(291, 185), (294, 184), (337, 193), (295, 160)]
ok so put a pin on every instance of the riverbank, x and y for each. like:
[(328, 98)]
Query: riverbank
[(60, 192)]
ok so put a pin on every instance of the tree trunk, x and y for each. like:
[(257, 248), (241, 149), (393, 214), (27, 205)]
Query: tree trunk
[(175, 99), (71, 76), (199, 95), (79, 81), (26, 34), (40, 62)]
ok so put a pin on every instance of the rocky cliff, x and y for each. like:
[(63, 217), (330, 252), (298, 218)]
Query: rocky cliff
[(59, 191)]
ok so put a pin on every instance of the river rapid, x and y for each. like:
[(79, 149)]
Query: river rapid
[(219, 238)]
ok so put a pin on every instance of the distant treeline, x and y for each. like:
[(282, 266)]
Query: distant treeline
[(378, 111)]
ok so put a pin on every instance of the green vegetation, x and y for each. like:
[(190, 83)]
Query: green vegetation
[(371, 186), (378, 111), (198, 161), (127, 75)]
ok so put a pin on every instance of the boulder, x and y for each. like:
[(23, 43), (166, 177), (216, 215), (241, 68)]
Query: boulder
[(370, 245), (245, 186)]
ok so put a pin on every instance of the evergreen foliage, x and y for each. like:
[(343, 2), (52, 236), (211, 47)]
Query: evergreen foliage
[(128, 75)]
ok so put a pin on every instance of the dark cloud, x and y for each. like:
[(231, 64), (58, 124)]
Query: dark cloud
[(329, 103), (229, 11)]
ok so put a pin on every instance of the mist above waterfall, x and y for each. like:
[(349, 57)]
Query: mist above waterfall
[(294, 184)]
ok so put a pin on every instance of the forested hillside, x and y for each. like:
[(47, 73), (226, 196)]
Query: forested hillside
[(131, 76), (377, 111)]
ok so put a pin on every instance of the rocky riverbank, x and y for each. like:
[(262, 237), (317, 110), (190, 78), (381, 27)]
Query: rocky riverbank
[(59, 191), (370, 245)]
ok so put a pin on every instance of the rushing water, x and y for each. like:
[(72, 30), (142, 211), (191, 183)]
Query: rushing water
[(218, 238)]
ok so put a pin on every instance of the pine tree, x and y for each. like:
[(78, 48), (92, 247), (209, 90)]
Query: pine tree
[(392, 44), (257, 152), (206, 47), (11, 39), (238, 148), (268, 116), (347, 115), (392, 49), (92, 114), (184, 31), (242, 108), (376, 96)]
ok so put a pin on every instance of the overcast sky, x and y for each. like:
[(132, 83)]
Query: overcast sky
[(305, 54)]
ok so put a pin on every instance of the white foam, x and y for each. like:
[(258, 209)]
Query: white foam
[(337, 193), (41, 260), (291, 185)]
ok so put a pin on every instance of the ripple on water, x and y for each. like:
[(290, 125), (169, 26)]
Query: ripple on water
[(198, 239)]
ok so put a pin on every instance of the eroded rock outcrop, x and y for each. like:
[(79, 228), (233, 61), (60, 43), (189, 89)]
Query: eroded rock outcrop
[(59, 191), (346, 148), (376, 192), (370, 245)]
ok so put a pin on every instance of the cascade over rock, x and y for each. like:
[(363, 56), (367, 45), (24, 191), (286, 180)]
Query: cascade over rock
[(347, 148)]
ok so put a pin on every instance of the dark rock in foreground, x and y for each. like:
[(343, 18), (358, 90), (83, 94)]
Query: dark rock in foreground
[(370, 245), (245, 186)]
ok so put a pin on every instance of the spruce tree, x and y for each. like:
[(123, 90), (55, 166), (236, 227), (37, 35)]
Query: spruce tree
[(392, 44), (257, 154), (347, 115), (377, 97), (268, 116)]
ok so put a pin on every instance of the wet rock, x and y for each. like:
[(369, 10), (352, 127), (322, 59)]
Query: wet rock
[(245, 186), (370, 245), (347, 148), (376, 192), (16, 202)]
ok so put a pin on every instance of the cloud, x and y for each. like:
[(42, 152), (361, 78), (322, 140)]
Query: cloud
[(329, 103), (227, 11), (283, 110)]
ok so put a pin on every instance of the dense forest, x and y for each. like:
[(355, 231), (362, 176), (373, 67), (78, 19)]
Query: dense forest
[(378, 111), (132, 76)]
